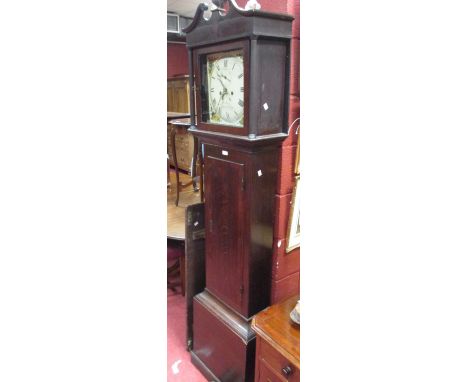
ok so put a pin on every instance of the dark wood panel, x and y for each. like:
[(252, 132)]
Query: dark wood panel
[(194, 260), (225, 206), (270, 59), (218, 346), (261, 185), (257, 233)]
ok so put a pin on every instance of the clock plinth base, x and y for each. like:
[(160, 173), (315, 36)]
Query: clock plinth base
[(223, 341)]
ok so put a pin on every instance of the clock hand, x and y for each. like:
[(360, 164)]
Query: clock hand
[(224, 89), (222, 84)]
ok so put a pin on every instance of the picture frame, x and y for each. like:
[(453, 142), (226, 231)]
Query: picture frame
[(297, 169), (294, 227)]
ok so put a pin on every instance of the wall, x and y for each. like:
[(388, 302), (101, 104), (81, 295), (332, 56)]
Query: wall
[(286, 266), (177, 60)]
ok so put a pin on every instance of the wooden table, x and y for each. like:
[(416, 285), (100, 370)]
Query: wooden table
[(182, 125), (176, 225), (278, 344)]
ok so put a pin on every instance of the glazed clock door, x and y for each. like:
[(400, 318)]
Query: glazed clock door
[(222, 87), (225, 214)]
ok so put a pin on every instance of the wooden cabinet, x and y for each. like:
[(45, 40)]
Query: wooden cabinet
[(178, 101), (178, 94), (277, 349), (267, 375)]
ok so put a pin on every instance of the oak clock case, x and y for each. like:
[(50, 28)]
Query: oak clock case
[(239, 73)]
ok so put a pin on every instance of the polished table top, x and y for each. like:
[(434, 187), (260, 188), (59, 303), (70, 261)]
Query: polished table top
[(185, 122), (176, 114), (176, 223)]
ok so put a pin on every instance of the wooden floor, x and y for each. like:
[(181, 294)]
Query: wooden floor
[(176, 215)]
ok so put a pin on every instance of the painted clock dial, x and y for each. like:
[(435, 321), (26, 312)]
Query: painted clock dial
[(225, 77)]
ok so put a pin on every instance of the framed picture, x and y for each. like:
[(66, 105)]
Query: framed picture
[(297, 169), (294, 227)]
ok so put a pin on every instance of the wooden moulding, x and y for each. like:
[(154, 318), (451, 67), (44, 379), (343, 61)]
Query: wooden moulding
[(236, 23), (239, 142), (234, 322)]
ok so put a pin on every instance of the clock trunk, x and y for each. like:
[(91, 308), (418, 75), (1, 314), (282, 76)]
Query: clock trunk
[(239, 203)]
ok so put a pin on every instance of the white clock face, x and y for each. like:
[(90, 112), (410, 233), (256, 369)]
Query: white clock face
[(226, 88)]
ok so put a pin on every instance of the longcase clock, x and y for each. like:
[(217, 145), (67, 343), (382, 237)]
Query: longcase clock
[(239, 77)]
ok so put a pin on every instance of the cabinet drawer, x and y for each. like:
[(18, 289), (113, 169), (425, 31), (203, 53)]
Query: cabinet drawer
[(266, 375), (278, 363)]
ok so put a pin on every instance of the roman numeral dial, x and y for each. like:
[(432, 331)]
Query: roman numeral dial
[(225, 88)]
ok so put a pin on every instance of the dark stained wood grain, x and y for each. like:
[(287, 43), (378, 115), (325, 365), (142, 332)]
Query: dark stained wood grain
[(239, 194), (223, 342), (225, 208), (194, 260)]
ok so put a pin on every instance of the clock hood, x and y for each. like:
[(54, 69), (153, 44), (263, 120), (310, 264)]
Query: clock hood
[(235, 23)]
